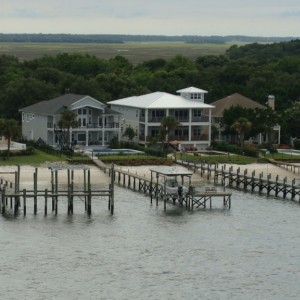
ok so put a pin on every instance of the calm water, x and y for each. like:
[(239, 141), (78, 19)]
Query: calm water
[(142, 252)]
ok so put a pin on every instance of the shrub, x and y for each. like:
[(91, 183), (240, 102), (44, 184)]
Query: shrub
[(297, 144), (250, 150)]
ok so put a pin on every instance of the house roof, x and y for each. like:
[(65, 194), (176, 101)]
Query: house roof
[(58, 104), (159, 100), (191, 90), (53, 106), (233, 100)]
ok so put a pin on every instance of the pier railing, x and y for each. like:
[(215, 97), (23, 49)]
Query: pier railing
[(247, 181)]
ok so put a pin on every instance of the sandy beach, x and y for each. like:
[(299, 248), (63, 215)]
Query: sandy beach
[(98, 177)]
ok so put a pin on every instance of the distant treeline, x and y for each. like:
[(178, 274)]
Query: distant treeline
[(121, 38)]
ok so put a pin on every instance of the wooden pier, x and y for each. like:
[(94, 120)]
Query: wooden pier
[(252, 182), (12, 197), (154, 187)]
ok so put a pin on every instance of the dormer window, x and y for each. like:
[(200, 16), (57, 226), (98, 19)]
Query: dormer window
[(196, 96), (192, 93)]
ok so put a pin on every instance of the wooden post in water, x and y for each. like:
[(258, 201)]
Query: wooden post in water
[(151, 181), (24, 201), (293, 189), (3, 200), (35, 191), (16, 205), (89, 205), (69, 193), (46, 202), (56, 191), (156, 189), (72, 192), (112, 199), (52, 188), (85, 189)]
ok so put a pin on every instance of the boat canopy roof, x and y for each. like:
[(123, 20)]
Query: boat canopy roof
[(170, 171)]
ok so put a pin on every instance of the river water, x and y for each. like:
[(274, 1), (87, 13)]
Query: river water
[(142, 252)]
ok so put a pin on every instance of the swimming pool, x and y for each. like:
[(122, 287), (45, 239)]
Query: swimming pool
[(289, 151), (115, 151)]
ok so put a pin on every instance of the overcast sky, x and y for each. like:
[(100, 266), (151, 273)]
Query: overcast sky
[(165, 17)]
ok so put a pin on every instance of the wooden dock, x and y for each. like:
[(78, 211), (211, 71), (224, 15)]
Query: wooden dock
[(227, 176), (13, 197), (195, 198)]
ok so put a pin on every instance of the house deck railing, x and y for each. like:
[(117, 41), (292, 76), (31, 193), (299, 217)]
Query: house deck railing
[(113, 125), (179, 138)]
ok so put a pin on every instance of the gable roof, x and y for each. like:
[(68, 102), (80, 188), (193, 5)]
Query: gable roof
[(159, 100), (235, 99), (53, 106)]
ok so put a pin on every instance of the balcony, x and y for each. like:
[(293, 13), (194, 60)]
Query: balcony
[(112, 125), (200, 119), (201, 137)]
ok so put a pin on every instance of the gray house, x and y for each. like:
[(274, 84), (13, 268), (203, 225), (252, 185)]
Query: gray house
[(97, 124)]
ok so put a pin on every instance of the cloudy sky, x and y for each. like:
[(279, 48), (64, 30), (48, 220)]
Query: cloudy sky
[(166, 17)]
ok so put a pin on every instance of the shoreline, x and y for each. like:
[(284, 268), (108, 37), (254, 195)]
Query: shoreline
[(98, 177)]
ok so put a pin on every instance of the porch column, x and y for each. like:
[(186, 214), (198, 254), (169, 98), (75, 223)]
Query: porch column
[(103, 137), (146, 124), (86, 138), (209, 127), (190, 124)]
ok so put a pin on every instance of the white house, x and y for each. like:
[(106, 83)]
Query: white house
[(144, 113), (97, 124)]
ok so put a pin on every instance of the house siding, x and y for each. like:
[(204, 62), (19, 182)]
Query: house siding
[(34, 126)]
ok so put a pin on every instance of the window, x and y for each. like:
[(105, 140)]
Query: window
[(182, 132), (181, 114), (154, 132), (84, 111), (157, 114), (79, 111), (197, 113), (197, 131), (196, 96)]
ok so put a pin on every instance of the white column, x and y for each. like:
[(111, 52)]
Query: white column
[(86, 138), (146, 124), (209, 128)]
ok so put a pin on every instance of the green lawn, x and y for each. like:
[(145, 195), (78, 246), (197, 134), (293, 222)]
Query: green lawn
[(39, 157)]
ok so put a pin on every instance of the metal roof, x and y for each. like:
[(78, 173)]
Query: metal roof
[(192, 90), (158, 100), (170, 171)]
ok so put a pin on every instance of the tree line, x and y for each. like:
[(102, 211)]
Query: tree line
[(254, 70)]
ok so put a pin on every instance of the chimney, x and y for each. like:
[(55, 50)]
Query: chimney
[(271, 101)]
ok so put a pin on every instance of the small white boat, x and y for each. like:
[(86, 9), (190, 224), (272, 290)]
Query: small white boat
[(175, 189)]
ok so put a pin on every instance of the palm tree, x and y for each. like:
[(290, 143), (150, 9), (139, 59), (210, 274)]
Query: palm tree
[(10, 129), (241, 126), (67, 121), (167, 124)]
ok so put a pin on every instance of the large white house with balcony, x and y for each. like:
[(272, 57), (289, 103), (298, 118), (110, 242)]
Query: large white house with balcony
[(97, 124), (144, 113)]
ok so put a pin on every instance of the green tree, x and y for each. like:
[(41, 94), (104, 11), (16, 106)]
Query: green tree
[(129, 133), (241, 126), (10, 129), (66, 122), (167, 124)]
